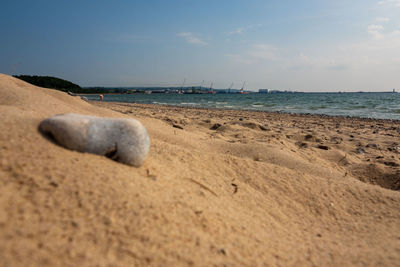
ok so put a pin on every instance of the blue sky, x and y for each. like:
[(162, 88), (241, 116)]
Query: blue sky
[(299, 45)]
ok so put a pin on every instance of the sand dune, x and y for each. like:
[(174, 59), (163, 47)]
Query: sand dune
[(219, 187)]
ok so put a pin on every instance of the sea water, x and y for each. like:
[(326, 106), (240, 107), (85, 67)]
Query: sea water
[(364, 105)]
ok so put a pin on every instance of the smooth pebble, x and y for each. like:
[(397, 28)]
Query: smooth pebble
[(123, 140)]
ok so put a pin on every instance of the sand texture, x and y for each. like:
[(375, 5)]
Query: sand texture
[(218, 188)]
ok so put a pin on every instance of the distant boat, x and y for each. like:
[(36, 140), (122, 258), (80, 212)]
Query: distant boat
[(242, 90), (148, 92), (183, 84), (211, 91)]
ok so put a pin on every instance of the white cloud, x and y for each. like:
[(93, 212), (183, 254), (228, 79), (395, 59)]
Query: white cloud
[(389, 2), (326, 61), (267, 56), (375, 27), (239, 30), (263, 52), (243, 29), (395, 33), (239, 58), (255, 54), (382, 19), (191, 38), (386, 46), (375, 31)]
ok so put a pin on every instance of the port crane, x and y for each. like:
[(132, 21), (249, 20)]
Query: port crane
[(230, 87)]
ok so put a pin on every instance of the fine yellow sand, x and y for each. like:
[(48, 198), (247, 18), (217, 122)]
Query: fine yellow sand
[(218, 188)]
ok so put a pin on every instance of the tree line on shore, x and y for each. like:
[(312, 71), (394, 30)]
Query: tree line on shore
[(50, 82), (59, 84)]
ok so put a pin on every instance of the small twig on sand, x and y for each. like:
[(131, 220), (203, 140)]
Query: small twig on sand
[(235, 188), (202, 186)]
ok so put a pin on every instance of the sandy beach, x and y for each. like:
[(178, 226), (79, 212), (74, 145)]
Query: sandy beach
[(219, 188)]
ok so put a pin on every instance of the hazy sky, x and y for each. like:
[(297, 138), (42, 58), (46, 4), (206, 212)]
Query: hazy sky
[(310, 45)]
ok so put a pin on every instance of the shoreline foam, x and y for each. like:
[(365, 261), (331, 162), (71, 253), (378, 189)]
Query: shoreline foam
[(247, 110)]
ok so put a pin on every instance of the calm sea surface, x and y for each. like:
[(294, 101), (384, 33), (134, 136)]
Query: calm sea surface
[(365, 105)]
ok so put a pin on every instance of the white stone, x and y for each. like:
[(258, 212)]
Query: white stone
[(123, 140)]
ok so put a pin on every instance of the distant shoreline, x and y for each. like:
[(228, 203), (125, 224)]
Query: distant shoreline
[(251, 92), (305, 115)]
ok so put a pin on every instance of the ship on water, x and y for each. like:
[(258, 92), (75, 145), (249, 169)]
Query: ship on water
[(242, 89), (211, 91)]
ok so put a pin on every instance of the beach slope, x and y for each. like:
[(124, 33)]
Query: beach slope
[(219, 187)]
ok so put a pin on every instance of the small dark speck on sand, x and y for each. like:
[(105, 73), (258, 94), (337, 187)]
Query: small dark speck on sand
[(215, 126)]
